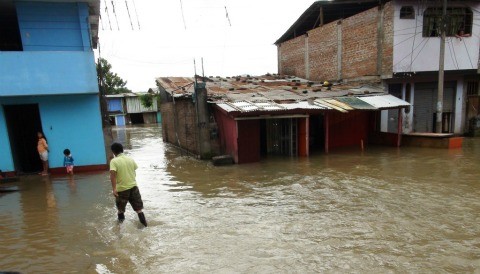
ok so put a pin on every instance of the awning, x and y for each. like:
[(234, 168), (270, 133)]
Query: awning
[(356, 103), (384, 101), (342, 104)]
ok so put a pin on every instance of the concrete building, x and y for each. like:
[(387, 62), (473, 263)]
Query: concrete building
[(48, 83), (397, 42)]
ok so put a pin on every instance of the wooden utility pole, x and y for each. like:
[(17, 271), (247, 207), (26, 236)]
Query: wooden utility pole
[(441, 72)]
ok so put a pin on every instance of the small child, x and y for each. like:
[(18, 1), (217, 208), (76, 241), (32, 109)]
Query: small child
[(68, 161)]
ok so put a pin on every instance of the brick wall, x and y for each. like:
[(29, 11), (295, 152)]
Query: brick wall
[(359, 44), (359, 48), (186, 128), (293, 57), (323, 49), (387, 61)]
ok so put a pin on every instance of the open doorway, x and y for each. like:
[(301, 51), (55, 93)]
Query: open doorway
[(136, 118), (317, 133), (23, 123)]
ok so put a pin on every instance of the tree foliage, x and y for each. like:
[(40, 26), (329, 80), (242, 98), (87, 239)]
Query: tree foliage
[(147, 100), (110, 81)]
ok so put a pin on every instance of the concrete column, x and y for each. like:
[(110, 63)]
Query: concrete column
[(409, 127), (380, 34), (279, 59), (339, 50), (307, 58), (460, 108), (203, 119)]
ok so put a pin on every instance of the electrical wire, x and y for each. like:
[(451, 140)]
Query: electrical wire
[(468, 54), (413, 44), (228, 17), (108, 14), (452, 54), (128, 11), (423, 41), (115, 13), (420, 51), (183, 16), (136, 14)]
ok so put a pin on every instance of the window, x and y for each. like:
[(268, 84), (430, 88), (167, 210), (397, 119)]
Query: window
[(407, 12), (459, 22), (10, 39)]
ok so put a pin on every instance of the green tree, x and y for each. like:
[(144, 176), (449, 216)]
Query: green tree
[(108, 80)]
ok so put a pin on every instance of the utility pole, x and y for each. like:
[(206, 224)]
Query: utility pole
[(441, 67)]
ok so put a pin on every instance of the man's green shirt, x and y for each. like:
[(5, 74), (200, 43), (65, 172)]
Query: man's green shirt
[(125, 168)]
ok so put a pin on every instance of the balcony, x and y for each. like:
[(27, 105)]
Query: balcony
[(25, 73)]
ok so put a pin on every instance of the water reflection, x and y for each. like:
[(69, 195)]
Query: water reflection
[(381, 210)]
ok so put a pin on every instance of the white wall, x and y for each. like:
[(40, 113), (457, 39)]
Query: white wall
[(414, 53)]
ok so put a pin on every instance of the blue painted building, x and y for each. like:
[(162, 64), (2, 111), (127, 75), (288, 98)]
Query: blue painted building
[(48, 83)]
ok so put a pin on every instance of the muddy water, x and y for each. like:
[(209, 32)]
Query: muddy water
[(383, 210)]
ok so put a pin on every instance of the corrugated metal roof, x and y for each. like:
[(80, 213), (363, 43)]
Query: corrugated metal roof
[(303, 105), (384, 101), (323, 102), (355, 103)]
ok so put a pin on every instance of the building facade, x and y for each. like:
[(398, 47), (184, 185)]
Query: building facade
[(48, 83), (397, 42), (127, 108), (250, 118)]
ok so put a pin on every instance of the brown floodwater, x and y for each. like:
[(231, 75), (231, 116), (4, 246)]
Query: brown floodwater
[(384, 210)]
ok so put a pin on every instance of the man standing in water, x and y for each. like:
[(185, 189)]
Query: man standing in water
[(124, 185)]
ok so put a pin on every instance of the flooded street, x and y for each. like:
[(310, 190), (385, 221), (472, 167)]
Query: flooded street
[(383, 210)]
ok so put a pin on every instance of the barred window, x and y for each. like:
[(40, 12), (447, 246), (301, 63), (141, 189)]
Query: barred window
[(459, 21), (407, 12)]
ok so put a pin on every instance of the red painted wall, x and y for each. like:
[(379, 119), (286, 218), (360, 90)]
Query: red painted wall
[(248, 141), (227, 133), (348, 129)]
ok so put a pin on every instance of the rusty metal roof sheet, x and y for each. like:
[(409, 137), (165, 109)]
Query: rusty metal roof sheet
[(384, 101)]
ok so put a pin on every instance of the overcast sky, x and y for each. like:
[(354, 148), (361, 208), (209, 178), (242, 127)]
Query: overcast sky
[(165, 46)]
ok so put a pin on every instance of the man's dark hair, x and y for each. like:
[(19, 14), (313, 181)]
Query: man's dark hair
[(66, 152), (116, 148)]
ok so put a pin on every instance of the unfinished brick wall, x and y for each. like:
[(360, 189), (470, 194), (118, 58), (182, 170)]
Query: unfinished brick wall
[(359, 44), (323, 50), (292, 57), (185, 127), (387, 61), (359, 48)]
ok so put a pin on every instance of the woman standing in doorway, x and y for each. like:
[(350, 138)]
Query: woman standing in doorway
[(42, 148)]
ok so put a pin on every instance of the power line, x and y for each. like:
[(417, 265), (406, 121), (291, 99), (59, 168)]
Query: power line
[(128, 11), (408, 38), (424, 40), (136, 14), (228, 17), (420, 50), (183, 16), (452, 54), (468, 54), (115, 13), (413, 44), (108, 14)]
